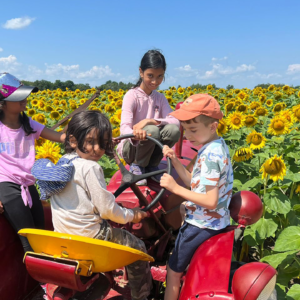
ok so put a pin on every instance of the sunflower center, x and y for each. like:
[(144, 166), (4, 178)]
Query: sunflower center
[(277, 108), (242, 108), (221, 126), (236, 121), (256, 139), (229, 106), (278, 125), (249, 120), (274, 167)]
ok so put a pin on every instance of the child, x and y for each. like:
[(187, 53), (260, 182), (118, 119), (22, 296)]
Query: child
[(211, 184), (19, 199), (83, 205), (145, 111)]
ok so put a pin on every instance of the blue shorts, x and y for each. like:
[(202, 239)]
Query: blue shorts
[(189, 238)]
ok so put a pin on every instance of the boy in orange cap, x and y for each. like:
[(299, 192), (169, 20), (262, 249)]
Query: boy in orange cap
[(211, 182)]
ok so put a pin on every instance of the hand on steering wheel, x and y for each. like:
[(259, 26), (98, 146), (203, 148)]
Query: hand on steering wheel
[(129, 179)]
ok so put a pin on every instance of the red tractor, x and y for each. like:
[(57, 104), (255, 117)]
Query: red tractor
[(85, 268)]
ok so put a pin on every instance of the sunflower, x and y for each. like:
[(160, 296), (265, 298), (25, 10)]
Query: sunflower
[(242, 108), (250, 120), (48, 108), (114, 121), (41, 105), (275, 167), (117, 115), (236, 120), (48, 150), (180, 90), (222, 127), (73, 105), (109, 109), (261, 111), (242, 154), (288, 116), (271, 88), (119, 103), (285, 88), (256, 140), (209, 87), (278, 126), (39, 142), (34, 102), (82, 100), (262, 98), (229, 107), (116, 132), (297, 191), (40, 118), (254, 105), (277, 108), (31, 112), (236, 91), (277, 95), (243, 96), (269, 102), (298, 94), (296, 112), (54, 115)]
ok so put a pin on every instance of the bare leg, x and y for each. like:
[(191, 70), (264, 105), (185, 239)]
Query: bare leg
[(173, 285)]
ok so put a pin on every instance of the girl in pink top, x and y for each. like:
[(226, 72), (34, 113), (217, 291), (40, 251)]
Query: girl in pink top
[(145, 112), (19, 199)]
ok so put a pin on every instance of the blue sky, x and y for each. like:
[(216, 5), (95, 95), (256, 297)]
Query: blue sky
[(243, 43)]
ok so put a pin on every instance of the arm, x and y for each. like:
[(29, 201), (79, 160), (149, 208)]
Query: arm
[(208, 200), (1, 208), (183, 173), (104, 201), (52, 135)]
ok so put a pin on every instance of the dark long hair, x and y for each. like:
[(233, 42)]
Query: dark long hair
[(153, 59), (82, 123), (24, 120)]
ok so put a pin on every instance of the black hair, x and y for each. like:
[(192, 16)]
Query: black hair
[(24, 120), (153, 59), (82, 123)]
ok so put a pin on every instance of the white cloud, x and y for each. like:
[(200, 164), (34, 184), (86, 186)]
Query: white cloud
[(186, 71), (223, 58), (292, 69), (219, 70), (9, 64), (1, 49), (61, 70), (18, 23), (266, 76), (98, 73)]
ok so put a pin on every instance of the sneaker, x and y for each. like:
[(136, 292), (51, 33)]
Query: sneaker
[(153, 169), (137, 170)]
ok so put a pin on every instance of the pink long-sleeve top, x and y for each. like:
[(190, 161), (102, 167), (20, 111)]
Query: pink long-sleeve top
[(137, 106)]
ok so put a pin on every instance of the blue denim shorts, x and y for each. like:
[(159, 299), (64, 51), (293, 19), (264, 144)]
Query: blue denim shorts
[(189, 238)]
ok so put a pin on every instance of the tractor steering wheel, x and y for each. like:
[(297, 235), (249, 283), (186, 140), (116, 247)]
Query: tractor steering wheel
[(129, 179)]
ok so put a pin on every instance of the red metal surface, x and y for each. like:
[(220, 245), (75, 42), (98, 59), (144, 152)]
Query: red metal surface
[(249, 280), (15, 282), (209, 269), (57, 273), (245, 208)]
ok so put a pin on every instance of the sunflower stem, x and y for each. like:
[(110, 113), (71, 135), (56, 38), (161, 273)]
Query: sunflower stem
[(292, 190)]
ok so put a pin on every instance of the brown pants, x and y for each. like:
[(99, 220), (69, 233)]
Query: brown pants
[(146, 153)]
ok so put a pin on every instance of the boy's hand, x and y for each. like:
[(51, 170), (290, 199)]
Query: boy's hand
[(1, 208), (168, 152), (138, 215), (168, 182), (115, 142)]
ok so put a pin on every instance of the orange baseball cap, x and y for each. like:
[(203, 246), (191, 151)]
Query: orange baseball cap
[(196, 105)]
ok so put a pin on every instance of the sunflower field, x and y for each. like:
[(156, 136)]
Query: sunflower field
[(261, 128)]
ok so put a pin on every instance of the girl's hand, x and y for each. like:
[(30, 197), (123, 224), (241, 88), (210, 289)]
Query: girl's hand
[(139, 134), (138, 215), (168, 152), (115, 142), (168, 182), (1, 208)]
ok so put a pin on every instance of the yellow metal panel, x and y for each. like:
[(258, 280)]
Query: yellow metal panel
[(106, 256)]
